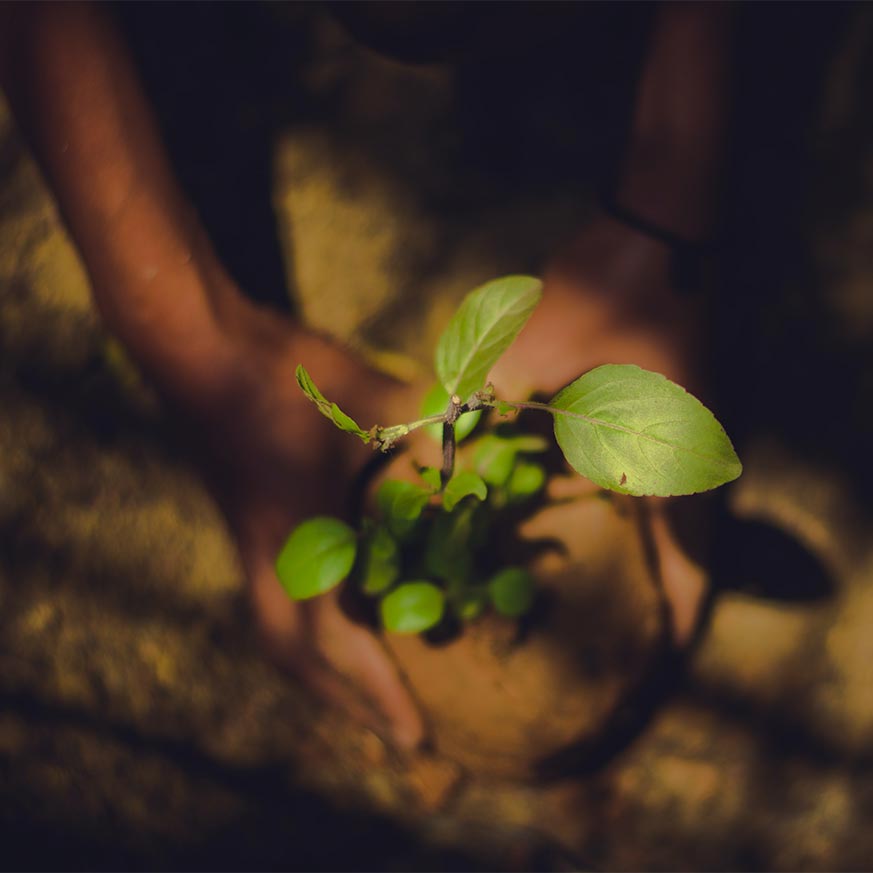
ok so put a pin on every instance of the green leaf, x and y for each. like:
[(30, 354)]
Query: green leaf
[(401, 504), (470, 602), (494, 459), (529, 444), (328, 409), (436, 402), (483, 328), (308, 387), (448, 554), (495, 455), (381, 561), (431, 478), (317, 556), (504, 408), (636, 432), (343, 421), (526, 480), (512, 591), (461, 485), (412, 607)]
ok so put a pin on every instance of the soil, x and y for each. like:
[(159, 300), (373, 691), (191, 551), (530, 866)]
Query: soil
[(503, 699)]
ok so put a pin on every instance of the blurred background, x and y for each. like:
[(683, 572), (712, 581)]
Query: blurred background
[(366, 179)]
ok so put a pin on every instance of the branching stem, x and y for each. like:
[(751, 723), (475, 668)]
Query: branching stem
[(385, 437)]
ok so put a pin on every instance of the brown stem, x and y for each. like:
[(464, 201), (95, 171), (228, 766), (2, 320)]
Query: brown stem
[(448, 453), (453, 413)]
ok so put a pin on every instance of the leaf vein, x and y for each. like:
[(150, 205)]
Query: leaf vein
[(598, 422)]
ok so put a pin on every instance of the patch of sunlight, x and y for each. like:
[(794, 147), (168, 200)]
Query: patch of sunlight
[(156, 656), (57, 274), (339, 239), (37, 619)]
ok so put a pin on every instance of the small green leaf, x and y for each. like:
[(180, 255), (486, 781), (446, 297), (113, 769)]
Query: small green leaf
[(308, 387), (483, 328), (504, 408), (461, 485), (412, 607), (436, 402), (526, 480), (448, 553), (381, 561), (494, 459), (328, 409), (470, 602), (512, 591), (343, 421), (401, 504), (431, 478), (636, 432), (529, 443), (317, 555), (495, 455)]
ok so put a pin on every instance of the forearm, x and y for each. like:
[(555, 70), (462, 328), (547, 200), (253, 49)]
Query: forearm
[(677, 137), (156, 280)]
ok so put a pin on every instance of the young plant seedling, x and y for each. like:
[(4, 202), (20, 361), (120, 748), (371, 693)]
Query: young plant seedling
[(427, 552)]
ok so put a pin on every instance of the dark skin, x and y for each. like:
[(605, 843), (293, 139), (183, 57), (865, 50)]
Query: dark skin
[(227, 366)]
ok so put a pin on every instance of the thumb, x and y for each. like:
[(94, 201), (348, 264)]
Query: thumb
[(356, 654), (340, 661)]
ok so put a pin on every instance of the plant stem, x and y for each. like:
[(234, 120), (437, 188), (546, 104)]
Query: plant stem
[(554, 410), (449, 443), (452, 414), (385, 437)]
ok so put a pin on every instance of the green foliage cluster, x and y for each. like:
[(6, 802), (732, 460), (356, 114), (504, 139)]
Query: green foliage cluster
[(429, 550)]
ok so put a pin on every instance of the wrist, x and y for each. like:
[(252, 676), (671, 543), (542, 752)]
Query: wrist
[(160, 305)]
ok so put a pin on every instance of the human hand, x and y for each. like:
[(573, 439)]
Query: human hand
[(272, 461), (608, 298)]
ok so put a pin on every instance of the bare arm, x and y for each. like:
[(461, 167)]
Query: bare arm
[(155, 278), (221, 360)]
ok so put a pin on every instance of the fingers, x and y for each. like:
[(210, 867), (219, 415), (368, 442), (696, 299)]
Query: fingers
[(285, 636), (572, 520), (343, 663), (359, 655), (684, 582)]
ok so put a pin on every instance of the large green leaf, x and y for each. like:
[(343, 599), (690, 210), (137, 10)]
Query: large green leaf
[(482, 329), (318, 555), (412, 607), (636, 432)]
